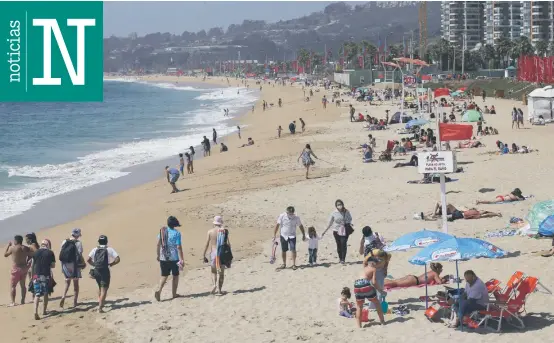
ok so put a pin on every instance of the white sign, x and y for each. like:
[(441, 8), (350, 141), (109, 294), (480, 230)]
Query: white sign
[(436, 162)]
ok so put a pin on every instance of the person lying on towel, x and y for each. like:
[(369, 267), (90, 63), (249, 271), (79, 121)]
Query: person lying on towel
[(514, 195), (433, 278), (454, 214)]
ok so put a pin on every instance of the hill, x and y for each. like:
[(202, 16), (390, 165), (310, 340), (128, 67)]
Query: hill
[(259, 40)]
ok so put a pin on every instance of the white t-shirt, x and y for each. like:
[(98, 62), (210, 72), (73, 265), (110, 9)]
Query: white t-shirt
[(112, 254), (313, 242), (78, 245), (288, 225)]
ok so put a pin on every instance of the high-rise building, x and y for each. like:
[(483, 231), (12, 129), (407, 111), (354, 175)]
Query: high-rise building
[(463, 18), (538, 20), (503, 19)]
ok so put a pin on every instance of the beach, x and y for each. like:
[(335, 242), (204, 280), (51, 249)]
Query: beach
[(250, 187)]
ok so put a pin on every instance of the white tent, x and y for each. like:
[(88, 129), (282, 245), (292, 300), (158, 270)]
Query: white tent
[(541, 103)]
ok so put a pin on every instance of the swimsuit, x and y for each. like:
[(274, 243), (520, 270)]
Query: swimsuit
[(363, 289), (18, 274), (417, 280)]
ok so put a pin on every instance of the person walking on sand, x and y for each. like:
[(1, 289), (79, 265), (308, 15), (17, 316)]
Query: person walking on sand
[(172, 175), (238, 131), (72, 261), (43, 262), (306, 156), (287, 223), (169, 252), (302, 124), (341, 222), (182, 164), (279, 129), (102, 258), (19, 254), (352, 112), (214, 136), (217, 236), (192, 152), (324, 102)]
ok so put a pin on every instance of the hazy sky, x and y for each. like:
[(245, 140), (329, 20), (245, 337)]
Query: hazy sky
[(122, 18)]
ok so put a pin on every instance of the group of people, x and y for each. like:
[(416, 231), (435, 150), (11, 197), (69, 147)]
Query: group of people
[(37, 261)]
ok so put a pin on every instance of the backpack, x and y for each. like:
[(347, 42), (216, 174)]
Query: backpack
[(101, 258), (68, 253), (226, 255)]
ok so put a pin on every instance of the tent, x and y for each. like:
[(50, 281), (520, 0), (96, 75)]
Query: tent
[(541, 103), (395, 118), (472, 116)]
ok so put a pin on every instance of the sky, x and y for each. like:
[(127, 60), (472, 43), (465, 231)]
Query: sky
[(122, 18)]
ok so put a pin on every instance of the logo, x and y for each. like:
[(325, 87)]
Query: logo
[(434, 158), (53, 50), (444, 254), (423, 242)]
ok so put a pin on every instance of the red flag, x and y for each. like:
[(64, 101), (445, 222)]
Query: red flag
[(455, 132), (441, 92), (361, 61)]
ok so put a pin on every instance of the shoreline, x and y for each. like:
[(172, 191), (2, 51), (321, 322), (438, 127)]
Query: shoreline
[(84, 201)]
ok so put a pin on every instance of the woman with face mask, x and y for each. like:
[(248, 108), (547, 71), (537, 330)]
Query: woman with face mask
[(341, 222)]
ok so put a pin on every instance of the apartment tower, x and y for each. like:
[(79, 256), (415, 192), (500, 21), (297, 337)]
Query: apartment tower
[(463, 18)]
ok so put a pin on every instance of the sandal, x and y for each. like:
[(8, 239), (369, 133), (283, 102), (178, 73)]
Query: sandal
[(294, 267)]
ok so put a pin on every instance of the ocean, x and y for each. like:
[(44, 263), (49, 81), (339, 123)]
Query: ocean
[(49, 149)]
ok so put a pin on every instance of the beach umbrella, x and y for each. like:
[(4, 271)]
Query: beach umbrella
[(462, 89), (416, 122), (457, 249), (418, 239), (546, 227), (472, 116), (539, 212)]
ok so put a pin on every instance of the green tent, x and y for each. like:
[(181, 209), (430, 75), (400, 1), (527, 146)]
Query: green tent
[(472, 116)]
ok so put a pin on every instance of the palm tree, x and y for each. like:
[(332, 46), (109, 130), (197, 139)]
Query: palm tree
[(522, 46), (488, 55), (541, 48), (370, 51), (504, 49), (303, 56)]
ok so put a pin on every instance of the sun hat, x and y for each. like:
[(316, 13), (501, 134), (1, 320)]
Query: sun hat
[(76, 232), (218, 220)]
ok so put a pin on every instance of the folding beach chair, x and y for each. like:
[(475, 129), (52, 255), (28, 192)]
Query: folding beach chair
[(509, 290), (512, 309)]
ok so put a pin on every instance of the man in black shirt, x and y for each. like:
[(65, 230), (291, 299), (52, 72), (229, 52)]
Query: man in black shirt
[(207, 147), (43, 262)]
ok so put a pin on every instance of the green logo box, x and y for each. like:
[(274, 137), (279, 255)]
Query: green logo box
[(53, 51)]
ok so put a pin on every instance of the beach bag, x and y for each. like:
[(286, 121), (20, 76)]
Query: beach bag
[(226, 255), (348, 229), (68, 253), (164, 237)]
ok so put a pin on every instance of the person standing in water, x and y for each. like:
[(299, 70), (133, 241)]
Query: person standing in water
[(172, 175), (19, 254), (306, 156), (238, 131)]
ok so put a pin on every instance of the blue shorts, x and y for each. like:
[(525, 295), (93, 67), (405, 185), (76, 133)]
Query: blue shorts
[(182, 168), (173, 178), (288, 244)]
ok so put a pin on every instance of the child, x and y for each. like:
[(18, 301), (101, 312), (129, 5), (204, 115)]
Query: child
[(345, 306), (369, 241), (313, 240), (279, 129)]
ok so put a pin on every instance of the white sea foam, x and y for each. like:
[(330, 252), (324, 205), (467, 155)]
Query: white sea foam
[(51, 180)]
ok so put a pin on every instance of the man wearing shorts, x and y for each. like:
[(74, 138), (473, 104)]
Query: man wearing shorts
[(43, 262), (72, 269), (218, 274), (288, 222), (366, 287), (170, 255), (19, 254), (172, 175), (102, 258)]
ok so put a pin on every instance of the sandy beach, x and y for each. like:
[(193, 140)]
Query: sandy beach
[(250, 187)]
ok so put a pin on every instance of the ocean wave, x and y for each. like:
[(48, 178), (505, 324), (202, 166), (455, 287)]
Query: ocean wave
[(165, 85), (55, 179)]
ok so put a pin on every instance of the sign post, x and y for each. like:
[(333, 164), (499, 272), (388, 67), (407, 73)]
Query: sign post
[(438, 162)]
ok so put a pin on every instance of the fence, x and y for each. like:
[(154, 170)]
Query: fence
[(536, 69)]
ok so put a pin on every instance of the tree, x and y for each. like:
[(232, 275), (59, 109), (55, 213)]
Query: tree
[(522, 46), (488, 55), (368, 50), (541, 47), (504, 50), (303, 56)]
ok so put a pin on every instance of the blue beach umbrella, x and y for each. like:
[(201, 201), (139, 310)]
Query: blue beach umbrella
[(416, 122), (457, 249), (418, 239)]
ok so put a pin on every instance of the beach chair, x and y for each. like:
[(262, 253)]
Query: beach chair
[(512, 309), (509, 290)]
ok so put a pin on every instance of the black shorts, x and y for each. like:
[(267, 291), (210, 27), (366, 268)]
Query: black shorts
[(169, 267), (102, 277), (288, 244)]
